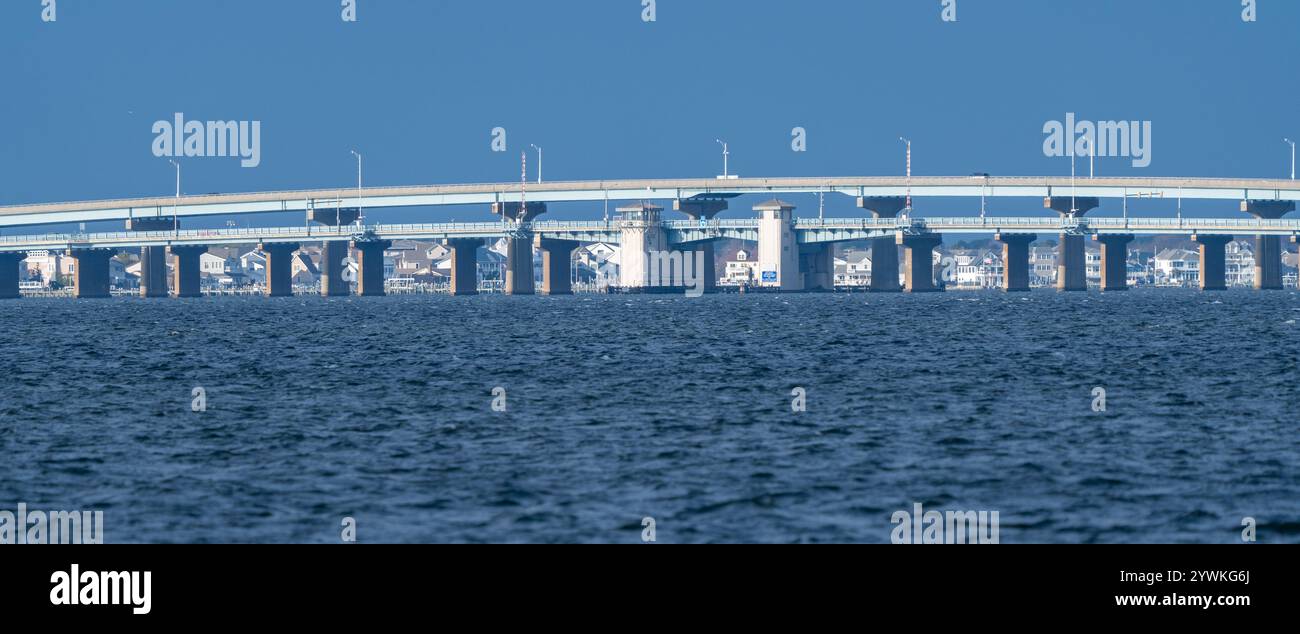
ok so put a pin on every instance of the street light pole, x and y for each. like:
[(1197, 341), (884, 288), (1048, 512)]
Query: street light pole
[(539, 163), (983, 196), (726, 153), (176, 222), (360, 217), (1074, 187), (1092, 155), (1292, 143)]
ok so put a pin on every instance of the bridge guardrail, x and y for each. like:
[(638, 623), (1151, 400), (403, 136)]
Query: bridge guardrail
[(991, 224)]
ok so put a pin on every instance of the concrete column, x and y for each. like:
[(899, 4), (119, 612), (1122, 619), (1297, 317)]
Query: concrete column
[(778, 250), (153, 260), (464, 265), (153, 271), (1114, 261), (10, 264), (1268, 248), (1268, 263), (333, 264), (918, 262), (519, 251), (557, 265), (704, 210), (90, 276), (1213, 265), (1071, 264), (279, 268), (187, 270), (1015, 260), (817, 262), (1071, 259), (519, 266), (884, 251), (370, 266)]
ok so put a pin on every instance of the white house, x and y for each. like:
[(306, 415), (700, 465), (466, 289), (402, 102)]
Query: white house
[(1092, 265), (599, 260), (742, 270), (1042, 265), (1177, 267), (253, 266), (856, 269), (1239, 263), (212, 265), (975, 269)]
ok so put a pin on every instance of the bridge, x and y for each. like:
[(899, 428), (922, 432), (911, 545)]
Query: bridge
[(795, 254), (658, 189)]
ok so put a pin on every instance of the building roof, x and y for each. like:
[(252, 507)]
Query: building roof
[(1176, 254), (775, 204)]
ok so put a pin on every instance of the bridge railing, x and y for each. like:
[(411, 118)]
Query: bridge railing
[(711, 224), (1194, 223)]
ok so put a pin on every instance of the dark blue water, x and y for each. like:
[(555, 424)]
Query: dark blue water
[(619, 408)]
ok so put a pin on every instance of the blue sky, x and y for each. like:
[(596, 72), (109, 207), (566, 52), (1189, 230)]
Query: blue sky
[(418, 85)]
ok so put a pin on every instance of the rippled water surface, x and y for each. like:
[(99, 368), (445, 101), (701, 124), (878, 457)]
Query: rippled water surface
[(619, 408)]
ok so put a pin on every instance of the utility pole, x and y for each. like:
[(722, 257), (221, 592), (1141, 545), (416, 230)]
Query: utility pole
[(360, 217), (1074, 187), (539, 163), (1292, 143), (908, 207), (983, 196), (176, 221)]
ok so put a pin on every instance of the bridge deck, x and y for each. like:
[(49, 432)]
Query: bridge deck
[(682, 231), (659, 189)]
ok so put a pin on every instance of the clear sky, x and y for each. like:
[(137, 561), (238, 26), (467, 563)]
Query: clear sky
[(418, 85)]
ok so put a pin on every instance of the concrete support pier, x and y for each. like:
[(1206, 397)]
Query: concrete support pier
[(884, 251), (90, 274), (1268, 249), (698, 210), (918, 262), (1114, 261), (333, 264), (1015, 260), (153, 272), (153, 260), (1213, 265), (279, 268), (519, 250), (557, 265), (519, 266), (817, 263), (187, 270), (370, 266), (10, 264), (464, 265), (1268, 263), (1071, 259)]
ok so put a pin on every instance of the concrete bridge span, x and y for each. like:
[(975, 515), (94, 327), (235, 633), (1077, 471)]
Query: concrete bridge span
[(794, 253), (621, 191)]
